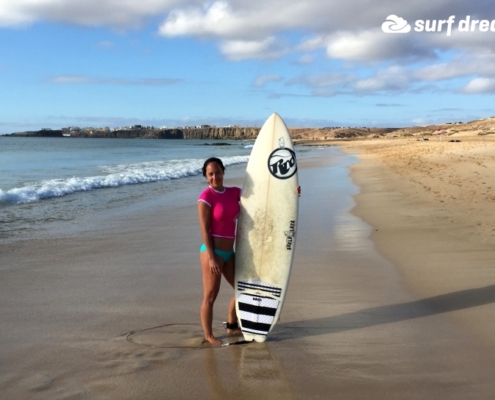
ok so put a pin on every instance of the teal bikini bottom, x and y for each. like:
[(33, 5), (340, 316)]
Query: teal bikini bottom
[(225, 255)]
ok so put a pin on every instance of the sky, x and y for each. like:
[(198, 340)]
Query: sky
[(318, 63)]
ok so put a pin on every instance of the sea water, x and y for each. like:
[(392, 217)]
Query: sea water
[(48, 181), (52, 183)]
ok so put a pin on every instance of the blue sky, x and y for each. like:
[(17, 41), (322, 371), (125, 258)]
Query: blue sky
[(187, 62)]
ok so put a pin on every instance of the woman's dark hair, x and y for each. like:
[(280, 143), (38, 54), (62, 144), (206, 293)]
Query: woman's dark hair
[(210, 160)]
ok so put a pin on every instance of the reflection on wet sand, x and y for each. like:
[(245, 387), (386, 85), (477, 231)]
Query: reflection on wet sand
[(260, 374)]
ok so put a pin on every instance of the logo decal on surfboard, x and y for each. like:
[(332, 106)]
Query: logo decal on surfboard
[(282, 162), (290, 235)]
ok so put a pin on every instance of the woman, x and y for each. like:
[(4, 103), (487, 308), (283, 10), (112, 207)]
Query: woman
[(218, 208)]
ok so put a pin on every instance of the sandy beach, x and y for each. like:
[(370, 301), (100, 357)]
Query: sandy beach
[(391, 297), (432, 207)]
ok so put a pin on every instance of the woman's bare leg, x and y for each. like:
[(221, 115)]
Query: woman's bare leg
[(211, 286), (229, 274)]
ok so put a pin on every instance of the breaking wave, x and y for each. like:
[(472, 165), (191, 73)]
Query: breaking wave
[(111, 177)]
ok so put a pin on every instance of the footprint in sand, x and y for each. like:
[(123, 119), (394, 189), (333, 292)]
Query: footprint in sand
[(38, 382), (178, 336)]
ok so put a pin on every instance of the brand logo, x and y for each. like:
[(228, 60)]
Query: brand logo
[(395, 24), (290, 234), (282, 162)]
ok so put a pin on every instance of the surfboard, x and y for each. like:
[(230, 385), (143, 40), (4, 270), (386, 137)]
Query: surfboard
[(266, 230)]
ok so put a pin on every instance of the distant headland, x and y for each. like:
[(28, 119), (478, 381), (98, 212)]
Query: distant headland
[(147, 132), (480, 127)]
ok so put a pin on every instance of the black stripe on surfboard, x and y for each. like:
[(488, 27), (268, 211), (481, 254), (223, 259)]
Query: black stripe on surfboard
[(270, 289), (253, 285), (257, 309), (255, 327)]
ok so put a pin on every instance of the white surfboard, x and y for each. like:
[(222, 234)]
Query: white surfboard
[(266, 230)]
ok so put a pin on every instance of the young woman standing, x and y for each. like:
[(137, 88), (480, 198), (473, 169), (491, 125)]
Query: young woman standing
[(218, 208)]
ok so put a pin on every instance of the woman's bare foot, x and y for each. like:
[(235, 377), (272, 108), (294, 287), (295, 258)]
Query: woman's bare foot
[(212, 341)]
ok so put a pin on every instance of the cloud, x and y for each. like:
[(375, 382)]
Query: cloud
[(480, 86), (238, 25), (395, 24), (373, 46), (105, 44), (313, 43), (221, 20), (262, 80), (456, 68), (261, 30), (472, 41), (393, 79), (71, 79), (305, 59), (122, 14), (268, 48), (216, 20), (320, 81), (270, 18), (77, 79)]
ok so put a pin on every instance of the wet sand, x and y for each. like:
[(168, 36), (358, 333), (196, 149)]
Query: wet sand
[(114, 313)]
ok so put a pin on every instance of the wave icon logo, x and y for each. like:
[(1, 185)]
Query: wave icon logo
[(395, 24)]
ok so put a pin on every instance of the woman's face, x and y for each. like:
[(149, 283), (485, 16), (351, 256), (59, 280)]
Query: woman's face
[(214, 175)]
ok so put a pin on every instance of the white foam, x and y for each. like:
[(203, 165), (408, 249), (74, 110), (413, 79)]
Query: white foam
[(113, 176)]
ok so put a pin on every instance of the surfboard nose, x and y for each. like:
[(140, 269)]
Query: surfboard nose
[(274, 116)]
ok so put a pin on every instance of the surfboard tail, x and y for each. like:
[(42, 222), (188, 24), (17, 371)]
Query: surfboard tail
[(258, 305)]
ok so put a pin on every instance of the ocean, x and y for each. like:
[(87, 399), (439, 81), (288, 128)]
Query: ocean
[(57, 186)]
